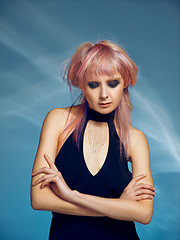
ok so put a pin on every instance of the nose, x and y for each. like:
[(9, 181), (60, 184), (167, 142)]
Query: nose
[(103, 93)]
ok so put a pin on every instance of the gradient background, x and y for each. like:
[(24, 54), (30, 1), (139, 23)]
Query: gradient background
[(35, 38)]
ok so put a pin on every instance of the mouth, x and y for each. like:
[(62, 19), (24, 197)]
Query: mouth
[(105, 104)]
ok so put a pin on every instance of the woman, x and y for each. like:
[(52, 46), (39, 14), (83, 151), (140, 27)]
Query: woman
[(80, 171)]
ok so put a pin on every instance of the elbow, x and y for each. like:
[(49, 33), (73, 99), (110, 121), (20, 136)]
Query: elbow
[(146, 217), (40, 198), (146, 221), (144, 213), (34, 203)]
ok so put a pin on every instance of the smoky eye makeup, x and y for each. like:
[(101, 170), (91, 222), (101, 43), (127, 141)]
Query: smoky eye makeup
[(113, 83), (93, 84)]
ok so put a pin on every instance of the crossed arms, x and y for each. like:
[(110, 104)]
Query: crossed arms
[(50, 192)]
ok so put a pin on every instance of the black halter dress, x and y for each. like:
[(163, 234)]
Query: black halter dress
[(109, 182)]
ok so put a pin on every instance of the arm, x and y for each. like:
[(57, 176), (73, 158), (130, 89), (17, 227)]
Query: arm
[(123, 208), (45, 198)]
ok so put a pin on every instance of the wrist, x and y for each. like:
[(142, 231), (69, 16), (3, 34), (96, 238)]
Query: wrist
[(75, 194), (72, 196)]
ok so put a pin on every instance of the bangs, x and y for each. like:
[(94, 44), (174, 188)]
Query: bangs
[(100, 62), (100, 67)]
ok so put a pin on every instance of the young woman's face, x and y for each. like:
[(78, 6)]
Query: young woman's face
[(104, 94)]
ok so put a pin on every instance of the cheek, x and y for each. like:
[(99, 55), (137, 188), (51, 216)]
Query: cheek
[(117, 95), (90, 96)]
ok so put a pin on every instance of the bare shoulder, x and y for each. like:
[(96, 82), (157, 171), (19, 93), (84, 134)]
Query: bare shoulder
[(135, 132), (137, 138), (59, 116)]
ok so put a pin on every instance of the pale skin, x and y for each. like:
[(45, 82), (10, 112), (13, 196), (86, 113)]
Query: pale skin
[(50, 192)]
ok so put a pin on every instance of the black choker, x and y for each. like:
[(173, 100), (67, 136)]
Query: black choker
[(99, 117)]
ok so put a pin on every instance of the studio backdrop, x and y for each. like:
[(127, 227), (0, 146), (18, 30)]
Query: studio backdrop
[(36, 37)]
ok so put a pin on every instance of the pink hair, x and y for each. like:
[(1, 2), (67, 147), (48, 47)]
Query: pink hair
[(90, 61)]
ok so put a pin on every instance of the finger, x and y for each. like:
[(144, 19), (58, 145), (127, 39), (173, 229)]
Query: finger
[(136, 179), (143, 197), (144, 186), (144, 191), (42, 170), (50, 162), (41, 179), (139, 177), (48, 181)]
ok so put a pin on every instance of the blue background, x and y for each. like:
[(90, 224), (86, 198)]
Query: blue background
[(35, 38)]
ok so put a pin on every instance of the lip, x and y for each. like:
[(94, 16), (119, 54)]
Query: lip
[(104, 104)]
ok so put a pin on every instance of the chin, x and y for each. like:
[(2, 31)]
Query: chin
[(104, 110)]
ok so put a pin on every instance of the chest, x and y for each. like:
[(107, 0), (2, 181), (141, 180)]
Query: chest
[(95, 145), (96, 166)]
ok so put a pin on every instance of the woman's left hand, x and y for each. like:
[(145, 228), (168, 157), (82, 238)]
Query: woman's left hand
[(135, 191), (52, 178)]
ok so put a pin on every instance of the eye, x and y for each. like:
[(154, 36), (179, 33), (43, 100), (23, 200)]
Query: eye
[(93, 84), (113, 83)]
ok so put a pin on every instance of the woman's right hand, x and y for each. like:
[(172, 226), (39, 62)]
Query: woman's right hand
[(54, 179), (137, 192)]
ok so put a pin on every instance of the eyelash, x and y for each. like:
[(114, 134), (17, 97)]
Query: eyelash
[(93, 84), (111, 84)]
